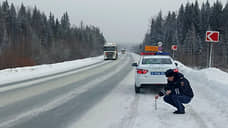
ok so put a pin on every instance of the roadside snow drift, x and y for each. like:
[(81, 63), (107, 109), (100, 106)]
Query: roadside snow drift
[(25, 73), (210, 102)]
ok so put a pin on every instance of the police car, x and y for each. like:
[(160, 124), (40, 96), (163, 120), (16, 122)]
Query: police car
[(151, 68)]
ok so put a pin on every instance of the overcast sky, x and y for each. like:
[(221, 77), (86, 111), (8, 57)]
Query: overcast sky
[(119, 20)]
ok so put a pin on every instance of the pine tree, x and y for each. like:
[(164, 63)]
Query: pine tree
[(216, 16), (12, 24), (180, 25), (159, 27)]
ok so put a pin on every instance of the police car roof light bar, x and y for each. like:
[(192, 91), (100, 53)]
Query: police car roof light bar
[(157, 53), (148, 53)]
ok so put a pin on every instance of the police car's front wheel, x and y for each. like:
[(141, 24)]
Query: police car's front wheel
[(137, 89)]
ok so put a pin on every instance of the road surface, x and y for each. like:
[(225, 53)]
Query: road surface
[(102, 96)]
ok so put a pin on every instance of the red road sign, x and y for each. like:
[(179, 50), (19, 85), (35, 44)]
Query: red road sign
[(212, 36), (174, 47)]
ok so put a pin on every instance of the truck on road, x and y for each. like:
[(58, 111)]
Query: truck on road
[(123, 50), (110, 51)]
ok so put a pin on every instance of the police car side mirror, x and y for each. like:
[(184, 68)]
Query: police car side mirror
[(134, 64), (176, 64)]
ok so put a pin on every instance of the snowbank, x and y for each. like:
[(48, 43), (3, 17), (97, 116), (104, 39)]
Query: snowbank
[(205, 75), (25, 73), (210, 100)]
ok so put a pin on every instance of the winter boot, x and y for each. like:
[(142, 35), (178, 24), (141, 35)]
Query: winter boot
[(179, 112)]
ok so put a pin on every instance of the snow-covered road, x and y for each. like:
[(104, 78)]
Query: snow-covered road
[(103, 97), (123, 109)]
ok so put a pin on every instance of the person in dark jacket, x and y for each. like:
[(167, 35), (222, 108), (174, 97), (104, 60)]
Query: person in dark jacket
[(177, 91)]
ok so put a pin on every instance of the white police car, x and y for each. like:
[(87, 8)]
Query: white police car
[(150, 70)]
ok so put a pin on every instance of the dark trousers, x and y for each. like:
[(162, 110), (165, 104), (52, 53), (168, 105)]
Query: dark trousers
[(177, 101)]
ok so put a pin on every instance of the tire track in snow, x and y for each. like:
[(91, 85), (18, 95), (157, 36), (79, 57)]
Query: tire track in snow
[(197, 118), (212, 107), (129, 120)]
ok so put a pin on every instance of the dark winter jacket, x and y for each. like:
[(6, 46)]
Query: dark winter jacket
[(180, 86)]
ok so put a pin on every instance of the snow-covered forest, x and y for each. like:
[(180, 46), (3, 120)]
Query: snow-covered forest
[(29, 37), (187, 28)]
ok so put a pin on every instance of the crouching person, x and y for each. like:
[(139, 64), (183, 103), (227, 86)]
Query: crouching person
[(177, 92)]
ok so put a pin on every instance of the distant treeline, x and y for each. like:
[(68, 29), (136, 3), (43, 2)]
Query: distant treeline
[(29, 37), (187, 29)]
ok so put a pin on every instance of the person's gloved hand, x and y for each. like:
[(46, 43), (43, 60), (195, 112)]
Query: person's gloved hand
[(156, 97), (168, 92)]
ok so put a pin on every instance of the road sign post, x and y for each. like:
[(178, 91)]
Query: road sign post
[(210, 56), (160, 46), (155, 104), (173, 54), (174, 48), (211, 37)]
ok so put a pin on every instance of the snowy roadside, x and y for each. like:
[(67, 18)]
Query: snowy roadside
[(210, 102), (208, 109), (205, 75), (123, 109), (25, 73)]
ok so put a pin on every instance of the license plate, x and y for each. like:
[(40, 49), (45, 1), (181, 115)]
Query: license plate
[(157, 73)]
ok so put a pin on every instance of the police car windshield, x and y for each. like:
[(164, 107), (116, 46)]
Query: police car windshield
[(156, 61)]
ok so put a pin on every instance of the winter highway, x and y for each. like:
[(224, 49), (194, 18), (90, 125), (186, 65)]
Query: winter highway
[(102, 96)]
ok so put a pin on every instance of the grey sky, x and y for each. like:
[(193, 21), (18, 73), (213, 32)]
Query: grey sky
[(119, 20)]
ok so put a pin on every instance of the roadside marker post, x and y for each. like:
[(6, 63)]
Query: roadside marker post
[(211, 37), (155, 103), (174, 48)]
